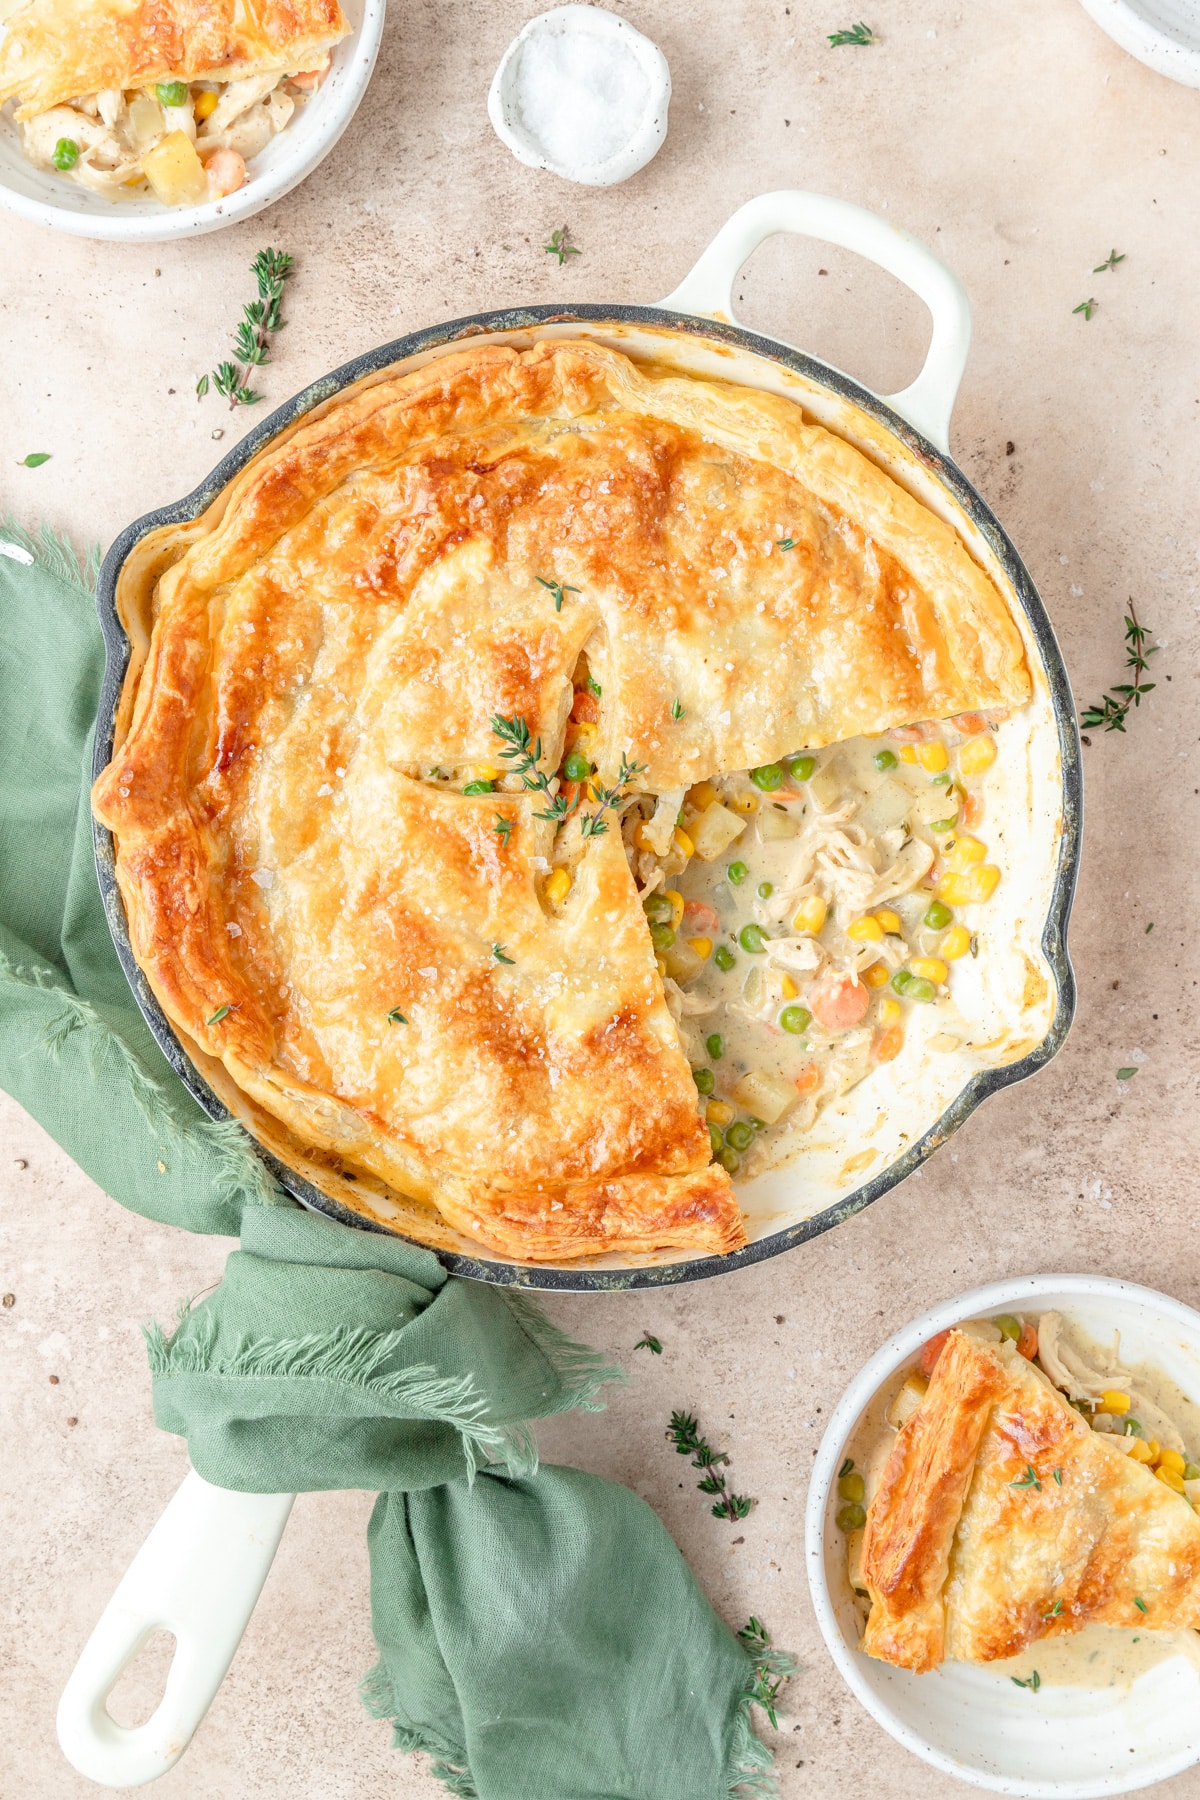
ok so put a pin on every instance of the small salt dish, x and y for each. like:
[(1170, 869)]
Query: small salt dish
[(581, 93)]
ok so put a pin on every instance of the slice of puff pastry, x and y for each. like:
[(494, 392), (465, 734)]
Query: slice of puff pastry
[(53, 50), (966, 1556)]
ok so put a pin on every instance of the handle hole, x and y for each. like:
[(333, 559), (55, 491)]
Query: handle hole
[(138, 1690), (856, 316)]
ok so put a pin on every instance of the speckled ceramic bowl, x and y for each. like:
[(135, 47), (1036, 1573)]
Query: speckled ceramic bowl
[(48, 199), (1064, 1743), (1163, 34)]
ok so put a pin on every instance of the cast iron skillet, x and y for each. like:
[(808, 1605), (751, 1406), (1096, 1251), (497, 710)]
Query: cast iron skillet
[(706, 291)]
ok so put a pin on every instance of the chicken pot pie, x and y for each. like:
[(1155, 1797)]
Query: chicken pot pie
[(1025, 1501), (397, 789), (172, 99)]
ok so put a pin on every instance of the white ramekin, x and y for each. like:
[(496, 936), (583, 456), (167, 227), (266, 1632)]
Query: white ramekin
[(1065, 1743), (49, 199)]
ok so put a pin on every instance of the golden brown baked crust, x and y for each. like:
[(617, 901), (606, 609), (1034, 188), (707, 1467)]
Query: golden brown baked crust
[(961, 1561), (364, 600), (54, 50)]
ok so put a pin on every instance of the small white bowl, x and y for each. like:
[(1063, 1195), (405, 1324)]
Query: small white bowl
[(1163, 34), (1076, 1743), (588, 29), (49, 199)]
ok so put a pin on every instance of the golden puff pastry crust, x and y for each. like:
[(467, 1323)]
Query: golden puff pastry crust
[(331, 645), (54, 50), (966, 1555)]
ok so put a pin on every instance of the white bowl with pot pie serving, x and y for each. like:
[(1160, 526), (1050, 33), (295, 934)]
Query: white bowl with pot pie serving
[(1002, 1539), (147, 123)]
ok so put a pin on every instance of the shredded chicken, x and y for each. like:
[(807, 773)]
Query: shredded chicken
[(1089, 1377)]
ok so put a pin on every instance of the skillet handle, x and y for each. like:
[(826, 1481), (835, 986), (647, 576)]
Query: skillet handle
[(198, 1576), (708, 289)]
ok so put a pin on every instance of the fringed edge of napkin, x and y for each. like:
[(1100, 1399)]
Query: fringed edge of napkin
[(450, 1763), (54, 552)]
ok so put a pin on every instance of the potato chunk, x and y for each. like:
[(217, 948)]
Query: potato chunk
[(715, 830), (175, 172), (767, 1096)]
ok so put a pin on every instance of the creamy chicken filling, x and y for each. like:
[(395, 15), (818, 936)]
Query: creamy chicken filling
[(184, 142)]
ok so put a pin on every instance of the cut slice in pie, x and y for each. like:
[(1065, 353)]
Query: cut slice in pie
[(418, 946), (1002, 1518)]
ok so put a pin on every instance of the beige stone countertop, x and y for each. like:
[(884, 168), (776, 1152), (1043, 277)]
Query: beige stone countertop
[(1013, 137)]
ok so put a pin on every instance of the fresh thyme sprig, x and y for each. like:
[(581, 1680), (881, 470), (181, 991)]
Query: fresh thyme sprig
[(558, 245), (1033, 1684), (854, 34), (1028, 1480), (771, 1667), (503, 828), (685, 1435), (647, 1342), (251, 343), (525, 758), (1086, 307), (595, 824), (1113, 710), (1110, 262), (557, 590)]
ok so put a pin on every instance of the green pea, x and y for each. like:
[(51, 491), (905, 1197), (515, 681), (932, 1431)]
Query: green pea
[(943, 824), (768, 777), (715, 1139), (765, 889), (757, 1124), (740, 1135), (902, 980), (724, 958), (942, 780), (479, 787), (1009, 1326), (171, 93), (662, 936), (705, 1080), (801, 768), (66, 153), (852, 1486), (851, 1518), (937, 915), (795, 1019), (920, 989), (576, 767), (750, 937), (658, 908), (729, 1160), (715, 1045), (736, 873), (885, 759)]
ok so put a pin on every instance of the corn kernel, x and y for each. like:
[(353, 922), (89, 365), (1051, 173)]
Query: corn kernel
[(1140, 1451), (952, 888), (981, 882), (890, 1011), (878, 975), (583, 735), (640, 838), (676, 900), (703, 795), (204, 104), (933, 756), (1170, 1479), (486, 772), (888, 919), (955, 943), (1112, 1400), (702, 946), (810, 914), (908, 753), (719, 1112), (660, 965), (558, 886), (977, 754), (865, 931), (930, 968), (1171, 1459), (683, 842), (966, 853), (788, 988), (743, 803)]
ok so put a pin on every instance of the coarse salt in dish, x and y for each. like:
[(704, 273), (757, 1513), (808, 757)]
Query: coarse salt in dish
[(581, 93)]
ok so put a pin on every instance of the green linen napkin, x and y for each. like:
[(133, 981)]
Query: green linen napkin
[(538, 1631)]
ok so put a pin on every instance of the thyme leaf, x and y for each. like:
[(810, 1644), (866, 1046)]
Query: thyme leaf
[(785, 543), (558, 245), (684, 1433), (260, 320), (557, 590), (1126, 1074), (678, 709), (853, 34), (501, 955), (222, 1012), (652, 1344), (1140, 1603), (1028, 1480), (1086, 307), (503, 829), (1110, 262), (1113, 709), (594, 686), (1055, 1610), (396, 1017), (34, 460), (1034, 1682)]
